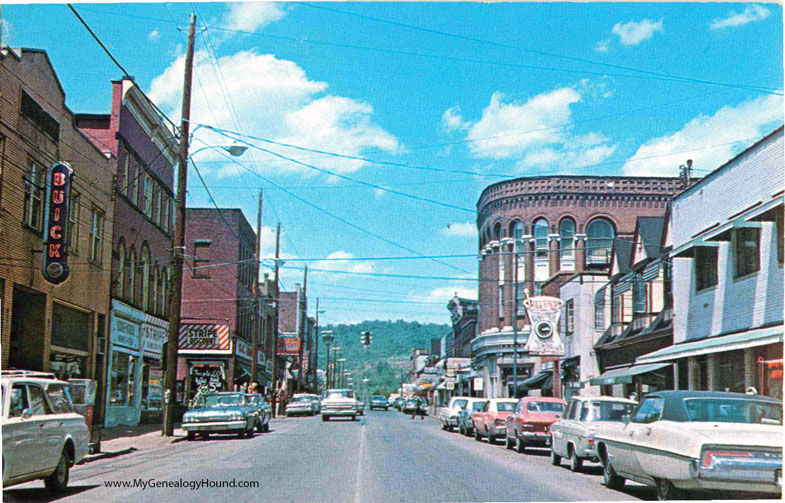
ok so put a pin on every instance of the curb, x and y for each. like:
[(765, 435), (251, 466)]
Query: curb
[(105, 455)]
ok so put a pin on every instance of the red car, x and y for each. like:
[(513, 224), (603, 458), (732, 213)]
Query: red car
[(529, 425), (490, 421)]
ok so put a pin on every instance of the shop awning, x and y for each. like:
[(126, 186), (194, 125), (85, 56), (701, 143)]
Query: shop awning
[(625, 375), (717, 344), (570, 361), (543, 380)]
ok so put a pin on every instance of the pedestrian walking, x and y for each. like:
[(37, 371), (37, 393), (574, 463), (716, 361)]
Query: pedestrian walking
[(420, 409)]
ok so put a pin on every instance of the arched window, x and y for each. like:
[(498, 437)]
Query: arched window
[(153, 308), (541, 238), (517, 235), (567, 238), (132, 276), (120, 289), (599, 241), (145, 268)]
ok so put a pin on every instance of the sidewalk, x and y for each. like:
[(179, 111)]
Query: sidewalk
[(127, 439)]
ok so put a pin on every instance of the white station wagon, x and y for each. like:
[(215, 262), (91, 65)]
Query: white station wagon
[(42, 435)]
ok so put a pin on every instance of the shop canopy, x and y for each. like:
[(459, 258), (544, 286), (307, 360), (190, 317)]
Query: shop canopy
[(625, 375), (543, 380), (717, 344)]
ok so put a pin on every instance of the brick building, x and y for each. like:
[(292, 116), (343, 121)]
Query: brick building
[(216, 343), (553, 227), (292, 331), (58, 328), (726, 234), (146, 152)]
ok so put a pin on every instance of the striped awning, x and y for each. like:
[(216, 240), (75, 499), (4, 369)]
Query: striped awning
[(624, 284), (600, 295), (652, 270)]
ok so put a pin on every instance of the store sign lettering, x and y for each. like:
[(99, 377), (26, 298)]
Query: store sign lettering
[(125, 333), (204, 336), (244, 349), (58, 200)]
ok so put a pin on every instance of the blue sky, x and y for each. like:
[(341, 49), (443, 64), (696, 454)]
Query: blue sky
[(431, 91)]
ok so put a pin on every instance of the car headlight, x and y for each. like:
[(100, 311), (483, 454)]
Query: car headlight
[(237, 416), (188, 418)]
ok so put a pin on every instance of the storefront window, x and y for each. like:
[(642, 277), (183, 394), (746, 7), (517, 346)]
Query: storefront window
[(122, 392), (67, 366), (152, 388)]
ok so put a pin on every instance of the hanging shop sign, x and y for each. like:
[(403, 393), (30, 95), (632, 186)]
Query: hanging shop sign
[(204, 337), (243, 349), (288, 345), (544, 313), (58, 201)]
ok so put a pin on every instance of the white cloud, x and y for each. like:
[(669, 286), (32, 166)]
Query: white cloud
[(602, 45), (452, 120), (154, 36), (273, 99), (8, 32), (250, 16), (361, 266), (445, 293), (460, 230), (535, 131), (707, 139), (751, 14), (633, 33)]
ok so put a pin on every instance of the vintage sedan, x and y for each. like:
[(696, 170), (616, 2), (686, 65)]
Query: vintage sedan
[(681, 441), (572, 436), (226, 412), (263, 411), (379, 402), (42, 435), (299, 405), (530, 423), (465, 423), (490, 422), (448, 416), (339, 403)]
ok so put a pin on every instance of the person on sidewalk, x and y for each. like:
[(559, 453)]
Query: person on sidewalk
[(420, 409)]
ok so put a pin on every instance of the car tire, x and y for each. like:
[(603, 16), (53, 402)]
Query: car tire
[(667, 491), (576, 463), (476, 434), (610, 478), (266, 427), (461, 430), (258, 425), (520, 445), (191, 435), (444, 426), (508, 442), (491, 437), (325, 418), (354, 418), (206, 435), (58, 480), (555, 458)]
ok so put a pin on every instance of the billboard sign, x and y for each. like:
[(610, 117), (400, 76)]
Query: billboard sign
[(204, 336), (544, 313), (288, 345)]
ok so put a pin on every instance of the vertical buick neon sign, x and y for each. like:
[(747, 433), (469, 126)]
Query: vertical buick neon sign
[(58, 201)]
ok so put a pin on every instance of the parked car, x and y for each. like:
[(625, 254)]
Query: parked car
[(300, 405), (572, 436), (465, 423), (398, 402), (448, 416), (360, 407), (263, 411), (530, 423), (379, 402), (415, 404), (42, 435), (339, 403), (315, 401), (490, 422), (223, 412), (680, 441)]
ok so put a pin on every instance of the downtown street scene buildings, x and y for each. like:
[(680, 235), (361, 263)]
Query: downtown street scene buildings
[(217, 217)]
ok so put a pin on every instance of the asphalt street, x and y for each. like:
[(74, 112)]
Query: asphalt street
[(383, 457)]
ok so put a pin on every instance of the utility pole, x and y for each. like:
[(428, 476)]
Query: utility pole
[(176, 286), (314, 367), (275, 324), (515, 325), (256, 321), (305, 344)]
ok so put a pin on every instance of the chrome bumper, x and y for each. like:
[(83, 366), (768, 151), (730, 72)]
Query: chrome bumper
[(536, 436), (339, 412), (216, 426)]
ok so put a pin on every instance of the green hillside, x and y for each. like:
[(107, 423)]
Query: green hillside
[(389, 350)]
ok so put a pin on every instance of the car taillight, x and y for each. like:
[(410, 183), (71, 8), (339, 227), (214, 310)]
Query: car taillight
[(712, 457)]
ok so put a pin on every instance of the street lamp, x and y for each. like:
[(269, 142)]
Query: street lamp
[(334, 376), (328, 337), (340, 372)]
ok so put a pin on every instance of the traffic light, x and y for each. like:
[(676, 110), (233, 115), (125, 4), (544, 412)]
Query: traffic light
[(365, 339)]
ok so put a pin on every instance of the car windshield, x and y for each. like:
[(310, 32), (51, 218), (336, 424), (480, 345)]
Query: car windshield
[(545, 407), (733, 410), (606, 411), (505, 406), (222, 400), (302, 399), (339, 394), (378, 398), (459, 404)]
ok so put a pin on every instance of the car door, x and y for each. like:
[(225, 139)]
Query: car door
[(648, 441), (561, 430), (50, 427), (634, 435), (17, 435)]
